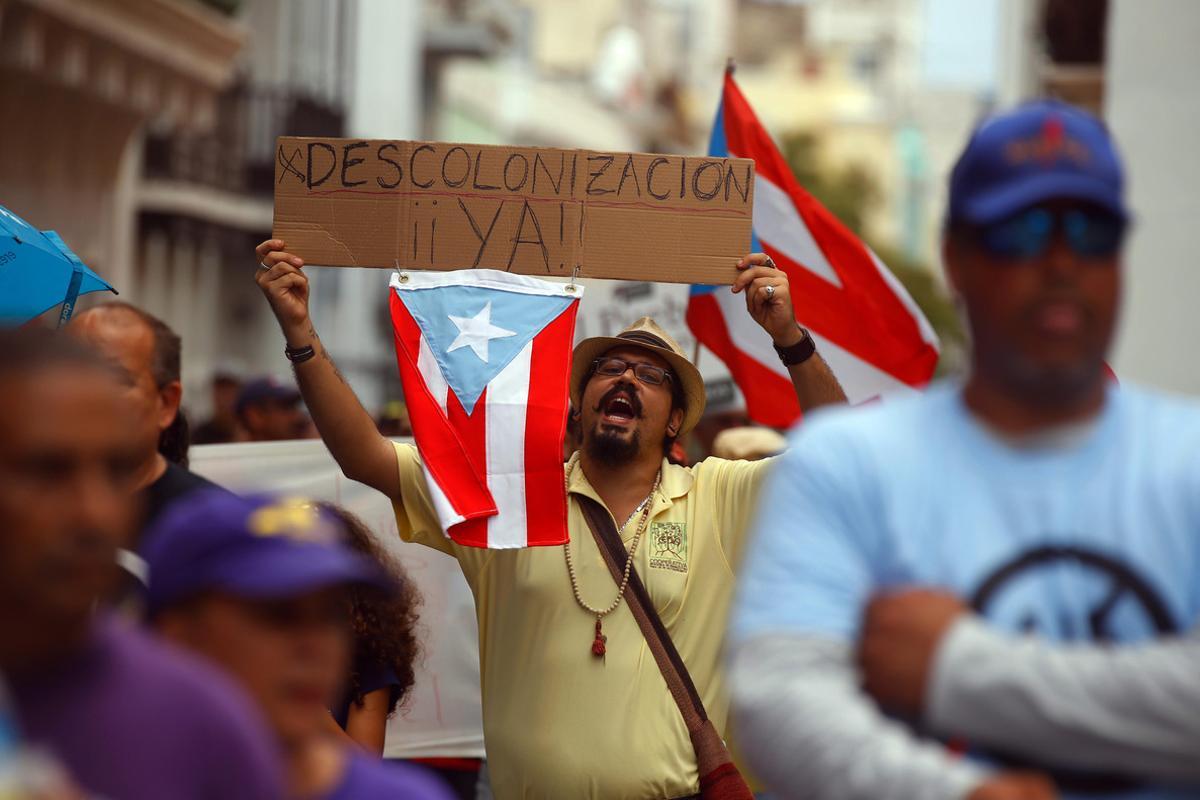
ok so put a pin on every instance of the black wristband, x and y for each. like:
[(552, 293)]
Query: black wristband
[(798, 353), (300, 354)]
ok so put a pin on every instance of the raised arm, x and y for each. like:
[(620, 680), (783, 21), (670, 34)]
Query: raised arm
[(769, 301), (345, 426)]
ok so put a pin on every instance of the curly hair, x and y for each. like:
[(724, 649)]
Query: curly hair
[(384, 625)]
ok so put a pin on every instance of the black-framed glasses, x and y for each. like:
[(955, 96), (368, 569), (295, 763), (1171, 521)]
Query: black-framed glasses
[(646, 373), (1090, 233)]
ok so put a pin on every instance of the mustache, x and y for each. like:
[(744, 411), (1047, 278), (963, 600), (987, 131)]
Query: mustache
[(630, 392)]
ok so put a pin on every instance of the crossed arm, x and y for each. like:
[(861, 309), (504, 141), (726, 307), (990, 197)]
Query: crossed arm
[(1133, 709), (806, 724)]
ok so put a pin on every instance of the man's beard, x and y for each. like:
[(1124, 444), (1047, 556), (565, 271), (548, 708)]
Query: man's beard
[(1048, 385), (612, 449), (608, 447)]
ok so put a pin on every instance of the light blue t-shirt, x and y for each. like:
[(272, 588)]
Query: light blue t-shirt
[(1093, 538)]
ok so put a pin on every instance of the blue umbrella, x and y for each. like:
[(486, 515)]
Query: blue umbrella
[(38, 271)]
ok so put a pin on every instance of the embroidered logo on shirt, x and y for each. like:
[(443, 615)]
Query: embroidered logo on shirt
[(669, 546)]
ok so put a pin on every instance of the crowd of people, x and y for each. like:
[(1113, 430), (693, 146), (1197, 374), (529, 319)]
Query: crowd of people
[(985, 592)]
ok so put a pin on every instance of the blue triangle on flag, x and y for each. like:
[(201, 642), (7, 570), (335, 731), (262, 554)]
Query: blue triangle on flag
[(719, 148), (475, 332)]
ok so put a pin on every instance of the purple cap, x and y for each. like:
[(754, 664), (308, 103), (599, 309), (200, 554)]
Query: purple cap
[(258, 546), (1041, 150), (260, 390)]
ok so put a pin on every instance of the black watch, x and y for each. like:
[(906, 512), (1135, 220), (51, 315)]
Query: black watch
[(300, 354), (798, 353)]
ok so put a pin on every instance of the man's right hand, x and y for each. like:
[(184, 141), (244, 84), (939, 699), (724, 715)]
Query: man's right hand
[(285, 286), (346, 428), (1016, 786)]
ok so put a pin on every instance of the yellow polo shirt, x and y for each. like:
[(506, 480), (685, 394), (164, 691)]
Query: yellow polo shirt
[(558, 722)]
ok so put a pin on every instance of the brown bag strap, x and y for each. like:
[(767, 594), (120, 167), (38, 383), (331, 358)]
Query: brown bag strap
[(669, 661), (719, 778)]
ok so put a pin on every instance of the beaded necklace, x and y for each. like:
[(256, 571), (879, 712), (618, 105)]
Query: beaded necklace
[(598, 643)]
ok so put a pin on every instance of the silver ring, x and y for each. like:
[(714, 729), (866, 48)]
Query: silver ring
[(263, 265), (770, 291)]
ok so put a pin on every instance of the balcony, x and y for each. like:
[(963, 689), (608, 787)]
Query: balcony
[(238, 156)]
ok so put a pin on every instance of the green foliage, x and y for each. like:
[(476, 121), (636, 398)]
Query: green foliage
[(851, 193)]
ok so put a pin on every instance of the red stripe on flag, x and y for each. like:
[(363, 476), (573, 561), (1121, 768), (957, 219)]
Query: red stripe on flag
[(863, 315), (545, 425), (472, 432), (435, 434), (770, 398)]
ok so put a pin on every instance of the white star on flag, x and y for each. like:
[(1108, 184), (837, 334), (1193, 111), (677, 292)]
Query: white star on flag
[(475, 332)]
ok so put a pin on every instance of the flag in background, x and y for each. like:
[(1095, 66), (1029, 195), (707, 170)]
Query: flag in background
[(865, 325), (484, 358)]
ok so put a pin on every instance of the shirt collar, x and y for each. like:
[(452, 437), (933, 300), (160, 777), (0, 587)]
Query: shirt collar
[(676, 482)]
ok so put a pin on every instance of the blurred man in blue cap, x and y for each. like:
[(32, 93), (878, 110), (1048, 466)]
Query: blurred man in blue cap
[(269, 411), (261, 586), (1053, 514)]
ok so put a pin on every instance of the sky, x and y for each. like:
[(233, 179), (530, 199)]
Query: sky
[(961, 43)]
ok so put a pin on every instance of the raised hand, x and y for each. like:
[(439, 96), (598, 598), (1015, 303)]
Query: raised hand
[(284, 284), (768, 297)]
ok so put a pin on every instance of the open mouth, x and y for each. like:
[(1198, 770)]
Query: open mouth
[(620, 409)]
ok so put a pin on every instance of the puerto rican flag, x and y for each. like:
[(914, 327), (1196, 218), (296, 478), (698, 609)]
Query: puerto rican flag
[(865, 325), (484, 358)]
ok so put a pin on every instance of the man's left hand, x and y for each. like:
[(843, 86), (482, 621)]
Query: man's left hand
[(901, 632), (768, 298)]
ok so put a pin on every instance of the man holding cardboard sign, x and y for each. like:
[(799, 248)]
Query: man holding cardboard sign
[(574, 705)]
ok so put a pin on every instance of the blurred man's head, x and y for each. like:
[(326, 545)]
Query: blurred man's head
[(225, 389), (149, 352), (66, 479), (261, 586), (269, 411), (1033, 245)]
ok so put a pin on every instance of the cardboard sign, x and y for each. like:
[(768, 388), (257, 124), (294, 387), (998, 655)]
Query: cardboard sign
[(535, 211)]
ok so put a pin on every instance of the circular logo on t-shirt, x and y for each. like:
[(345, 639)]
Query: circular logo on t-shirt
[(1116, 589), (1071, 593)]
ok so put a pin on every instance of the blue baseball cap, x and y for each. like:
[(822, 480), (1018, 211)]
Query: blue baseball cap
[(257, 546), (265, 389), (1041, 150)]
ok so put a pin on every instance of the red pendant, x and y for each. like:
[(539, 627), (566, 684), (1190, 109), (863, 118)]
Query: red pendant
[(598, 643)]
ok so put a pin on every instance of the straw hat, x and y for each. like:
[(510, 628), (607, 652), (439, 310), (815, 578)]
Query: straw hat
[(646, 334), (748, 443)]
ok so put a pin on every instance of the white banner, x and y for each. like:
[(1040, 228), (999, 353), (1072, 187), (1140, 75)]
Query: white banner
[(442, 716)]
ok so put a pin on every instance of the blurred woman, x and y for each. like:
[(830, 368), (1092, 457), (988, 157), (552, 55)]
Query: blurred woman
[(264, 587), (385, 643)]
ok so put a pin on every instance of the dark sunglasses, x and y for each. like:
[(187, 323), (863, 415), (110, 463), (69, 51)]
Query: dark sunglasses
[(646, 373), (1090, 233)]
